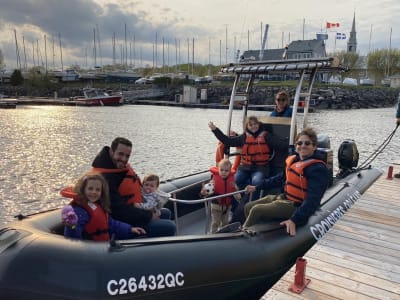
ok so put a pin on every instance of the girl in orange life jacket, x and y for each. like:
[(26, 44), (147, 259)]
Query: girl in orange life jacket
[(91, 204), (305, 181), (223, 181), (257, 147)]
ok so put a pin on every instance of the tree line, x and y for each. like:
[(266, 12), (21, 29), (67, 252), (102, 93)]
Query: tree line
[(378, 64)]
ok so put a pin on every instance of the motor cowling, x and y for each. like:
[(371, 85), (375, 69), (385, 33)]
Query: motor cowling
[(348, 155)]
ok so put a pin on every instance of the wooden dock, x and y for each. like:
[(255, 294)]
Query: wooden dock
[(359, 258)]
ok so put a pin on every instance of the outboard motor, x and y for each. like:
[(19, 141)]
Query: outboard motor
[(348, 157)]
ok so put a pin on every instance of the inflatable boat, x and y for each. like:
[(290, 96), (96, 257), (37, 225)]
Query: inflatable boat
[(37, 262)]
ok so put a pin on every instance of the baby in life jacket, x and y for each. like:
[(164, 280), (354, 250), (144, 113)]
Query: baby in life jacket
[(224, 183), (153, 199)]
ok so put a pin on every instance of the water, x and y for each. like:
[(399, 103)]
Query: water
[(44, 148)]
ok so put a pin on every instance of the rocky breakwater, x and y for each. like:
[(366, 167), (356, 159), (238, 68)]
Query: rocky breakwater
[(335, 97), (324, 97)]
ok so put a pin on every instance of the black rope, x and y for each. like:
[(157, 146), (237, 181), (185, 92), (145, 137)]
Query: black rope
[(378, 151)]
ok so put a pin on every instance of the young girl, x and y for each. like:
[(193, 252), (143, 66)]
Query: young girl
[(224, 183), (154, 199), (91, 204), (258, 146)]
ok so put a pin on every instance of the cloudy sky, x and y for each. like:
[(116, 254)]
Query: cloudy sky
[(143, 31)]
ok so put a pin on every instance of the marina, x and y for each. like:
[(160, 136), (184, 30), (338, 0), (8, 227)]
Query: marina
[(360, 257), (332, 138), (269, 252)]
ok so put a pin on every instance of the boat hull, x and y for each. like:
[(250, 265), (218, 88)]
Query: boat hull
[(99, 101), (37, 263)]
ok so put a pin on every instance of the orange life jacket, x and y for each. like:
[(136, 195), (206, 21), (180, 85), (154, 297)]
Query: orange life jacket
[(296, 183), (223, 186), (131, 185), (97, 227), (255, 151)]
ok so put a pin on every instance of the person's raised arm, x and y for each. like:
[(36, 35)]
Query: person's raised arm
[(230, 141)]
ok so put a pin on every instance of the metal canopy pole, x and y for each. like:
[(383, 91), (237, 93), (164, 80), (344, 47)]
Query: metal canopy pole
[(308, 97), (295, 107), (231, 103), (245, 107)]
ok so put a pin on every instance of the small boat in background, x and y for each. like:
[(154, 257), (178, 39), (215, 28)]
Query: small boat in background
[(94, 97), (8, 103)]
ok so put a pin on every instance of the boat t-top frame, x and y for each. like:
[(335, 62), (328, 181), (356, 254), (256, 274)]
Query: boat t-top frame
[(302, 67)]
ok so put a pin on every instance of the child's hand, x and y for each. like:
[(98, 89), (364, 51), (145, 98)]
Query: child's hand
[(250, 189), (138, 230), (211, 125), (237, 197), (156, 214), (138, 205), (203, 191), (69, 217)]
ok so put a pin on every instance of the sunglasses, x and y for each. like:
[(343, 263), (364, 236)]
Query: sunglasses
[(307, 143), (281, 99)]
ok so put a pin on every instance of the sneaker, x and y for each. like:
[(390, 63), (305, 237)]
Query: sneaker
[(233, 227), (397, 175)]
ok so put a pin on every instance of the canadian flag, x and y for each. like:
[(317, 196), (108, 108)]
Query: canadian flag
[(332, 25)]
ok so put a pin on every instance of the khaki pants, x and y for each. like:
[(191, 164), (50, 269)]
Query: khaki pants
[(268, 208), (219, 216)]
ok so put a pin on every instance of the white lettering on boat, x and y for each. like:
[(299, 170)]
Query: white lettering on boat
[(131, 285), (320, 229)]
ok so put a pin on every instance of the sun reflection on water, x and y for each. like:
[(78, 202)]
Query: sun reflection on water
[(44, 148)]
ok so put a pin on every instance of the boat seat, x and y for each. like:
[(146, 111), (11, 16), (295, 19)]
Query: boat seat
[(280, 127), (326, 153), (58, 229)]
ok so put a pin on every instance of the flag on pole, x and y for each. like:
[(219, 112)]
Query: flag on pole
[(332, 25), (340, 36)]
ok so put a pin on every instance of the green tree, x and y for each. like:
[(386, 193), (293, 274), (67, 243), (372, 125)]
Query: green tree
[(16, 78), (349, 59), (384, 63)]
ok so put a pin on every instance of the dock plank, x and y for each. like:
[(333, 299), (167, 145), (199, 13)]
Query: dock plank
[(359, 258)]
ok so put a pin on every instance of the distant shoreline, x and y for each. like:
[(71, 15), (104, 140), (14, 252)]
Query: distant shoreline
[(217, 96)]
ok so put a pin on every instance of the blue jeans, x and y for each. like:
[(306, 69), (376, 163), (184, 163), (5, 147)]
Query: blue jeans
[(161, 227), (253, 176)]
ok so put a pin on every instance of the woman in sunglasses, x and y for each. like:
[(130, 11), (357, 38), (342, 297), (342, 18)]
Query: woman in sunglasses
[(282, 108), (304, 182)]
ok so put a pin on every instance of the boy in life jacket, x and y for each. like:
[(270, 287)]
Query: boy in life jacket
[(88, 217), (154, 199), (224, 182)]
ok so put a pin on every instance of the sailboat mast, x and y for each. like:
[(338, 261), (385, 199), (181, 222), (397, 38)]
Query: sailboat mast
[(17, 50), (388, 56), (53, 52), (98, 45), (369, 48), (61, 57), (33, 54), (94, 47), (23, 43), (45, 51)]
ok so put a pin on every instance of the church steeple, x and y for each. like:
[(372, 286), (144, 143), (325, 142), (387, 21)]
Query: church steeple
[(352, 42)]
